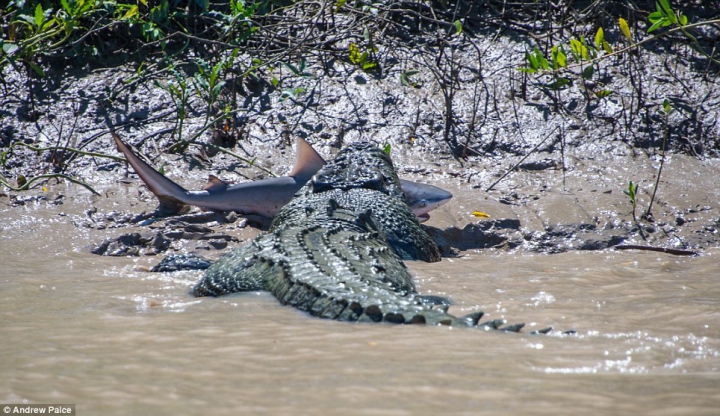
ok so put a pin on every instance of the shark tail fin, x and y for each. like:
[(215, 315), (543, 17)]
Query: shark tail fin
[(170, 194), (308, 161)]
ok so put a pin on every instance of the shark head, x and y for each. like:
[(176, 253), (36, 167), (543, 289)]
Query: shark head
[(423, 198)]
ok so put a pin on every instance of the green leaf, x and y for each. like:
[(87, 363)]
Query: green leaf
[(585, 53), (537, 59), (624, 28), (667, 107), (37, 69), (655, 16), (631, 191), (558, 57), (275, 82), (588, 72), (132, 12), (339, 5), (599, 38), (664, 5), (532, 61), (458, 27), (559, 83), (656, 25), (541, 59), (370, 65), (292, 68), (669, 13), (39, 15), (10, 48), (386, 148), (602, 93), (578, 49), (66, 6), (683, 20), (606, 46)]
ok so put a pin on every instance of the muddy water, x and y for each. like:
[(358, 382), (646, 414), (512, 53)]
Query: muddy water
[(103, 334)]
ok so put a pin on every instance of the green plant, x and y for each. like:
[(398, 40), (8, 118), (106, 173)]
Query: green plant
[(665, 16), (584, 54), (179, 94), (237, 26), (208, 83), (291, 93), (632, 193), (365, 58), (587, 56), (300, 71), (405, 78), (35, 31)]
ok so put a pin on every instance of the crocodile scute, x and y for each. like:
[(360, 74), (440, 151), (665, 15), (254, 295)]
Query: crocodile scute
[(336, 250)]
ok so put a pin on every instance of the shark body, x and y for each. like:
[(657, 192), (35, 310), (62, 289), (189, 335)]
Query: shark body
[(262, 197)]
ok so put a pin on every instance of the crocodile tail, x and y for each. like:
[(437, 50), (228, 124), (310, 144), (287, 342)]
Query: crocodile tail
[(239, 270)]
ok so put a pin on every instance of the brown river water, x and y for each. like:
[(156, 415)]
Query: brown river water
[(111, 338)]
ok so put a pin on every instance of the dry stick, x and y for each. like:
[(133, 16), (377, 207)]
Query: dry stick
[(675, 251), (648, 212), (67, 149), (30, 181), (522, 160), (562, 154)]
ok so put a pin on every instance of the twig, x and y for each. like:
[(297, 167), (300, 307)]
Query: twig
[(193, 141), (648, 213), (521, 160), (27, 184), (675, 251), (56, 148)]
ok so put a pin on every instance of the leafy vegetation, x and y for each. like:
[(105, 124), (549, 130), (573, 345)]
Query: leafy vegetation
[(212, 61), (632, 193)]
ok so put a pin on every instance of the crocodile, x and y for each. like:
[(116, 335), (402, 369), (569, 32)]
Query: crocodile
[(336, 250)]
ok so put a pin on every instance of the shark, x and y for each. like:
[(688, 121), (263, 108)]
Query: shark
[(263, 197)]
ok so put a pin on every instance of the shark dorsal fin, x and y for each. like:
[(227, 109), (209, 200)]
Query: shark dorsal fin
[(215, 184), (308, 161)]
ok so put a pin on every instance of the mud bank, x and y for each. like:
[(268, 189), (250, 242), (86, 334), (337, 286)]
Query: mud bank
[(557, 161)]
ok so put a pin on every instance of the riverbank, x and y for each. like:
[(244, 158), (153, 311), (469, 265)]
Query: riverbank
[(547, 154)]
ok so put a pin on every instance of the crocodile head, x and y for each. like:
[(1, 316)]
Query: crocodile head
[(360, 165)]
